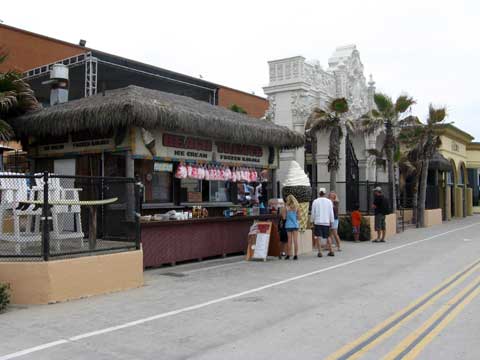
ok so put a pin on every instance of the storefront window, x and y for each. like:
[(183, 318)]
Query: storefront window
[(220, 191), (191, 190)]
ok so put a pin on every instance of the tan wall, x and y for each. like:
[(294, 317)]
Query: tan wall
[(390, 226), (433, 217), (304, 242), (473, 158), (457, 155), (61, 280), (407, 215), (28, 50), (448, 203), (254, 105), (458, 202)]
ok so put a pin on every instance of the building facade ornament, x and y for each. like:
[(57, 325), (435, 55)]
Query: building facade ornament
[(298, 86)]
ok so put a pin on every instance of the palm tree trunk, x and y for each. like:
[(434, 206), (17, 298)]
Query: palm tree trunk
[(390, 143), (334, 156), (314, 164), (333, 180), (415, 200), (391, 183), (423, 193)]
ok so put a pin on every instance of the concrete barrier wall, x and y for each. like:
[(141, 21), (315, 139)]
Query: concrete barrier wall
[(305, 242), (433, 217), (390, 226), (61, 280)]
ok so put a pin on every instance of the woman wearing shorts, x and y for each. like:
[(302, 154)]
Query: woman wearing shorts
[(334, 229), (291, 214)]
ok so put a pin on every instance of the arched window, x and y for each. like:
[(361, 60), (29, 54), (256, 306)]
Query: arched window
[(461, 178)]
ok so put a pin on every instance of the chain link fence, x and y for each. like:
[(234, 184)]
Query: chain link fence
[(46, 216)]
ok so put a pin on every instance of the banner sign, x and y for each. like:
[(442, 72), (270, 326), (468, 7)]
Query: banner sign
[(186, 147), (77, 147)]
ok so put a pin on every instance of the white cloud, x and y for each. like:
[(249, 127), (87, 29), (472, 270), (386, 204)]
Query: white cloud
[(427, 48)]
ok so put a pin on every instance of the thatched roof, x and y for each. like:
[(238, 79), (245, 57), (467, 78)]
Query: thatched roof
[(152, 109), (439, 162)]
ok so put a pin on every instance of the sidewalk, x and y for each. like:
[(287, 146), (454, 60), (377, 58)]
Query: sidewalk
[(204, 305)]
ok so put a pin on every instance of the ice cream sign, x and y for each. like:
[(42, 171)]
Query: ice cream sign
[(186, 147)]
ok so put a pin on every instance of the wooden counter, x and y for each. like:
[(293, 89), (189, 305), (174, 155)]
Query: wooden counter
[(169, 242)]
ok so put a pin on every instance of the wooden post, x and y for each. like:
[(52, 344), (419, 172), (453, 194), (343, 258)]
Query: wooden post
[(92, 227), (129, 187)]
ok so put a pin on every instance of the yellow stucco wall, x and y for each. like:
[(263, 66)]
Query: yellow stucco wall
[(46, 282), (433, 217), (455, 150), (473, 157), (469, 200), (458, 202), (390, 226)]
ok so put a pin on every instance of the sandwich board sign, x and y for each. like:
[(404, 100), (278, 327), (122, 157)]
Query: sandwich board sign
[(259, 240)]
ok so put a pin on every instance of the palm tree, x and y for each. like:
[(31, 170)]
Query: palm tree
[(410, 166), (430, 142), (388, 116), (329, 121), (16, 98)]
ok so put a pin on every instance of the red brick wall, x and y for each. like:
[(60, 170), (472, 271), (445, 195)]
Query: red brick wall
[(254, 105), (27, 50)]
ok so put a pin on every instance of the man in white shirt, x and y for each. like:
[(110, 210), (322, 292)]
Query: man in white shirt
[(322, 217)]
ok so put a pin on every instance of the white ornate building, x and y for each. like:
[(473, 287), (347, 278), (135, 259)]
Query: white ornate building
[(297, 86)]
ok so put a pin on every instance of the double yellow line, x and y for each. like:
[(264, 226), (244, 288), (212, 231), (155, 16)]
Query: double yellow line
[(412, 345)]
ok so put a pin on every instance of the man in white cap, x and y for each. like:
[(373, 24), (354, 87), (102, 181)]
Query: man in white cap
[(322, 218)]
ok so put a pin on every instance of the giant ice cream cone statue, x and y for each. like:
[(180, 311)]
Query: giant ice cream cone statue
[(296, 183)]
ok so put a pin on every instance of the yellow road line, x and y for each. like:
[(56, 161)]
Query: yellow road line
[(355, 349), (410, 347)]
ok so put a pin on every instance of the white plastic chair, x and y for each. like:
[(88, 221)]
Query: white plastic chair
[(57, 192), (14, 192)]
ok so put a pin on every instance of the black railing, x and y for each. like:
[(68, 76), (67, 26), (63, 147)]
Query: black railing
[(360, 194), (46, 216)]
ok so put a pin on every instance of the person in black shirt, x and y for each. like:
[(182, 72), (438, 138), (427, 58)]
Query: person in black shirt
[(380, 204)]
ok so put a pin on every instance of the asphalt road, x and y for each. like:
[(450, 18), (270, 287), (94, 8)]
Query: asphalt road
[(415, 296)]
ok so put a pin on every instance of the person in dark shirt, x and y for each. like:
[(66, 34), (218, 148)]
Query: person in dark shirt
[(380, 204)]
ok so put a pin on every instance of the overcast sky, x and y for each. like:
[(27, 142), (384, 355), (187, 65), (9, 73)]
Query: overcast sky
[(428, 48)]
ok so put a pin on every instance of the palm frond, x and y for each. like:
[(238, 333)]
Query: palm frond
[(370, 124), (384, 102), (316, 115), (375, 152), (403, 103), (6, 131), (436, 115), (339, 106), (351, 126), (410, 120), (406, 166), (397, 155)]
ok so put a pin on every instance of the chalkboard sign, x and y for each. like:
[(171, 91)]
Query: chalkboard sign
[(259, 240)]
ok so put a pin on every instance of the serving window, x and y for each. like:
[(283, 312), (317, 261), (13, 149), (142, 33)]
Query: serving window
[(157, 178), (164, 187)]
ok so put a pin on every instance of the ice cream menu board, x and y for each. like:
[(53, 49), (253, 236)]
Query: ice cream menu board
[(259, 240)]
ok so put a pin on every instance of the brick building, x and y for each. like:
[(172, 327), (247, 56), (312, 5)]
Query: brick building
[(92, 70)]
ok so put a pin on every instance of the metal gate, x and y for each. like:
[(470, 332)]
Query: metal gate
[(352, 177)]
